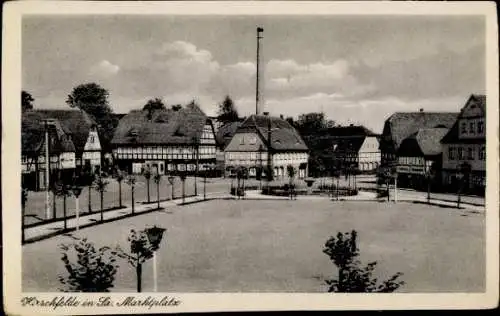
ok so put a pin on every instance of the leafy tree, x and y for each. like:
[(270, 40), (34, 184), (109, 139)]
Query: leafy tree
[(310, 123), (93, 99), (26, 101), (119, 176), (157, 180), (227, 111), (291, 171), (352, 277), (147, 175), (64, 190), (154, 104), (141, 250), (93, 271), (100, 186), (131, 180)]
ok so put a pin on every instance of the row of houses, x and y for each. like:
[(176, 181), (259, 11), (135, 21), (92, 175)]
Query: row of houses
[(438, 147), (188, 141)]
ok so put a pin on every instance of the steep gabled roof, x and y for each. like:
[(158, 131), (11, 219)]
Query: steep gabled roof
[(33, 135), (75, 123), (424, 142), (283, 135), (184, 126), (403, 124)]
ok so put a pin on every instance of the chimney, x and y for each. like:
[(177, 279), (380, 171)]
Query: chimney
[(421, 110), (281, 116), (351, 124), (266, 113), (258, 93)]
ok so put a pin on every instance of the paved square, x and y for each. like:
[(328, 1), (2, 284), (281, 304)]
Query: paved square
[(276, 246)]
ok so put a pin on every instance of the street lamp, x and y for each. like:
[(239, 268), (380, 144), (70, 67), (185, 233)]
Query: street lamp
[(155, 235), (171, 181), (77, 190)]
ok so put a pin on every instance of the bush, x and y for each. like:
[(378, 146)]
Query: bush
[(343, 252), (94, 270)]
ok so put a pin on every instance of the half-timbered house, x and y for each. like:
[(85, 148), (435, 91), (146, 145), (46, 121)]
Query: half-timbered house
[(263, 135), (165, 141)]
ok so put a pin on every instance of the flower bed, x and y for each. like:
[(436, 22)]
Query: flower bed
[(284, 190)]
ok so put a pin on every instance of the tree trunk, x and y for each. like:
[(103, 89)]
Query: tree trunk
[(64, 211), (172, 184), (54, 210), (149, 199), (138, 271), (337, 188), (132, 193), (429, 191), (120, 194), (183, 191), (90, 199), (158, 193), (102, 205)]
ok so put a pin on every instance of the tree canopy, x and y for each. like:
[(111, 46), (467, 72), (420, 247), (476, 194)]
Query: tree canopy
[(309, 123), (227, 111), (154, 104), (26, 101), (176, 107), (93, 99)]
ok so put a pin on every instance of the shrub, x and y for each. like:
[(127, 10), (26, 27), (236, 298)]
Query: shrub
[(343, 252), (93, 271)]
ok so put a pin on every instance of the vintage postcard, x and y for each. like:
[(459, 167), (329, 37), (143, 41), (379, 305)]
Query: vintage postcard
[(249, 156)]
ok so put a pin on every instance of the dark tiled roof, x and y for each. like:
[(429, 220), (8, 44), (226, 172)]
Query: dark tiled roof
[(76, 123), (400, 125), (283, 135), (33, 135), (424, 142), (226, 132), (184, 126)]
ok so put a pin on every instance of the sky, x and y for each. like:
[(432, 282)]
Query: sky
[(355, 69)]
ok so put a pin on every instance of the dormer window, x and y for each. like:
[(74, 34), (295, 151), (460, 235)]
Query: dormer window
[(92, 139)]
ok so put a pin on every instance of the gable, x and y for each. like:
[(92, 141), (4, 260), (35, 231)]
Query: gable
[(473, 108), (370, 144), (92, 142)]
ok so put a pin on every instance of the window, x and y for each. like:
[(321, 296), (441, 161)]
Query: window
[(470, 153), (471, 128), (482, 153), (460, 153), (464, 128), (92, 139), (253, 140), (480, 127), (451, 153), (242, 140)]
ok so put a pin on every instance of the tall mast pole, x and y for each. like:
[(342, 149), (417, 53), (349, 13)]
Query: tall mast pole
[(257, 90), (47, 172)]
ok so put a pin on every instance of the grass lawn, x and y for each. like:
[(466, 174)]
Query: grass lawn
[(276, 246)]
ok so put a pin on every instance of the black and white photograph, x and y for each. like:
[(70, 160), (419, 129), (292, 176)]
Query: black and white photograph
[(165, 151)]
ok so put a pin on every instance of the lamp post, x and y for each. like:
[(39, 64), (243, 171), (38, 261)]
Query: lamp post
[(171, 181), (155, 235)]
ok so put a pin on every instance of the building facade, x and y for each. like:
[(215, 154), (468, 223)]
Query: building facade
[(465, 145), (165, 141), (266, 143), (401, 125), (420, 158), (73, 143)]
